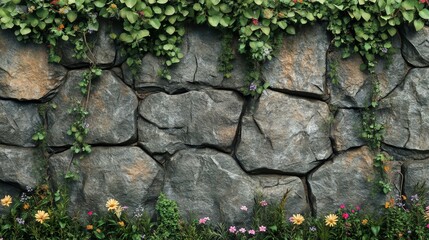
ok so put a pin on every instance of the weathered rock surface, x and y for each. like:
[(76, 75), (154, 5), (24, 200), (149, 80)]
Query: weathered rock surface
[(126, 174), (112, 108), (171, 122), (18, 123), (347, 180), (25, 73), (205, 182), (415, 46), (301, 63), (104, 48), (404, 112), (415, 173), (201, 48), (285, 133), (354, 88), (347, 129), (21, 166)]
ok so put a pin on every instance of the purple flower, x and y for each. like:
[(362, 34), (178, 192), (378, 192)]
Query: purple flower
[(313, 228), (414, 198), (20, 221), (384, 50), (252, 87), (262, 228)]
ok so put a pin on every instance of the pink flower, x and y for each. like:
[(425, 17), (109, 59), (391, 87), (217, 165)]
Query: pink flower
[(345, 215), (342, 206), (262, 228), (353, 211), (427, 226), (232, 229), (242, 230), (263, 203), (204, 220), (255, 21), (251, 232), (357, 208), (243, 208), (90, 213)]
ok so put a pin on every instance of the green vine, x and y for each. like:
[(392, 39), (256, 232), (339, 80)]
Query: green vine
[(227, 55)]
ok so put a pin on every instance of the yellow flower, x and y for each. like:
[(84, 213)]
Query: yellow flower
[(113, 6), (6, 201), (297, 219), (26, 206), (89, 227), (364, 221), (41, 216), (98, 230), (118, 211), (426, 216), (331, 220), (112, 204), (121, 223)]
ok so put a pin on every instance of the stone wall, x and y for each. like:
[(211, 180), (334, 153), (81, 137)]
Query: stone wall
[(203, 143)]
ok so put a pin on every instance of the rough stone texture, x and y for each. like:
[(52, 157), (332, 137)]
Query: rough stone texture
[(355, 87), (347, 129), (415, 46), (201, 48), (126, 174), (347, 180), (404, 112), (112, 107), (301, 63), (415, 172), (18, 123), (25, 73), (285, 133), (171, 122), (20, 166), (205, 182), (104, 49)]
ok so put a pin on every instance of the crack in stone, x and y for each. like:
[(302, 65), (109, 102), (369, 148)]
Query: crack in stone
[(262, 133), (3, 70)]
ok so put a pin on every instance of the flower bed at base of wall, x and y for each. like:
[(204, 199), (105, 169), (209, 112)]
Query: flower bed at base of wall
[(42, 214)]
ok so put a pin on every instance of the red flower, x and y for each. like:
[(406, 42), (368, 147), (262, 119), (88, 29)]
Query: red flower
[(345, 215), (90, 213), (255, 21)]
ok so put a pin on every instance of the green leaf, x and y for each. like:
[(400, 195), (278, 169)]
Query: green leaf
[(365, 15), (265, 30), (132, 17), (126, 38), (157, 10), (142, 33), (392, 31), (424, 13), (169, 10), (170, 30), (130, 3), (162, 1), (214, 20), (408, 15), (291, 30), (258, 2), (25, 31), (215, 2), (418, 24), (155, 23), (282, 24), (42, 13), (99, 3), (197, 7), (71, 16), (408, 5)]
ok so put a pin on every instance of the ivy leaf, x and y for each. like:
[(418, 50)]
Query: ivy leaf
[(162, 1), (365, 15), (214, 20), (42, 13), (126, 38), (170, 30), (142, 34), (130, 3), (418, 24), (215, 2), (408, 5), (99, 3), (266, 30), (169, 10), (71, 16), (25, 31), (282, 24), (258, 2), (424, 13), (155, 23), (291, 30), (132, 17)]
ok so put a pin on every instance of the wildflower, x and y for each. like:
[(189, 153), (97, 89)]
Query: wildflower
[(297, 219), (90, 213), (414, 198), (89, 227), (6, 201), (41, 216), (313, 228), (204, 220), (61, 27), (98, 230), (357, 208), (364, 221), (427, 226), (404, 197), (26, 206), (24, 197), (342, 206), (263, 203), (20, 221), (262, 228), (113, 6), (243, 208), (386, 168), (31, 9), (232, 229), (112, 204), (400, 235), (29, 189), (346, 215), (138, 213), (252, 87), (251, 232), (118, 211), (242, 230), (121, 223), (331, 220)]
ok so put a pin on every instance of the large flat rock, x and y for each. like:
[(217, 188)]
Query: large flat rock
[(415, 46), (346, 130), (285, 133)]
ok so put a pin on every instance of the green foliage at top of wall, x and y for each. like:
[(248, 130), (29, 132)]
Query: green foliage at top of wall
[(158, 26)]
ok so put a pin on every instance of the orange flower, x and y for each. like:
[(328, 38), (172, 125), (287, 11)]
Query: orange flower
[(386, 168), (113, 6), (26, 206), (364, 221), (61, 27), (121, 223), (89, 227)]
